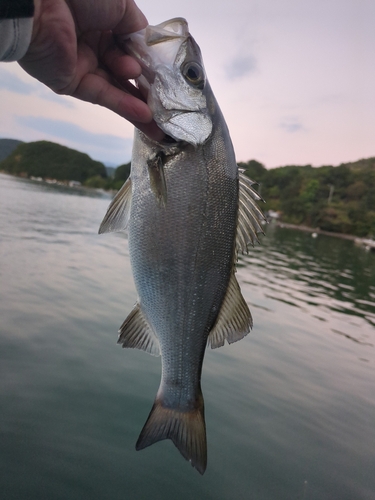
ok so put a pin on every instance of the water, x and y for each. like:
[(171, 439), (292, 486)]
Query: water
[(290, 410)]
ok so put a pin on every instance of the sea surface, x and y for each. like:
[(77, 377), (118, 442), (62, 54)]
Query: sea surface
[(290, 410)]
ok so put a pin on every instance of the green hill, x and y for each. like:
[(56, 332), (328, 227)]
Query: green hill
[(364, 164), (50, 160), (339, 199), (121, 173), (7, 146)]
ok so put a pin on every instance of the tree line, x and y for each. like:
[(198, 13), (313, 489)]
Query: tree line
[(48, 160), (339, 199)]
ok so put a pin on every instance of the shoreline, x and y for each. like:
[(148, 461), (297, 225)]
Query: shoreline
[(317, 230), (367, 242), (68, 184)]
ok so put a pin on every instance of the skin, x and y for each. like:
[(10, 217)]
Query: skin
[(73, 52)]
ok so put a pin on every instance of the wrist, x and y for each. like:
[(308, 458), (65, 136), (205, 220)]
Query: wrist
[(36, 18), (16, 10), (16, 26)]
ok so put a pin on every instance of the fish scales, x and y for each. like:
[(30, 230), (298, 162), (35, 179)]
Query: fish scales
[(180, 254), (181, 209)]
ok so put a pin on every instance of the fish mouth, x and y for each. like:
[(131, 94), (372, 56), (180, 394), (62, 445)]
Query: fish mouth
[(141, 43), (174, 29), (172, 79)]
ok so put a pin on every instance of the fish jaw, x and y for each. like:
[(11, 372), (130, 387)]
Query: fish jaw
[(149, 48), (173, 79)]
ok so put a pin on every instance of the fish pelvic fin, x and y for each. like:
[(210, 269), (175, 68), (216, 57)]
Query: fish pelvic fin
[(117, 216), (136, 333), (186, 429), (250, 216), (234, 320)]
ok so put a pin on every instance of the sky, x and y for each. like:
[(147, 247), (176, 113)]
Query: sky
[(295, 80)]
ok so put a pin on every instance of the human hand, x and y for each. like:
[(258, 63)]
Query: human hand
[(72, 51)]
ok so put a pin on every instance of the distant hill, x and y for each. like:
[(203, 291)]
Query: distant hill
[(122, 172), (110, 171), (50, 160), (7, 146), (334, 198), (339, 199), (365, 164)]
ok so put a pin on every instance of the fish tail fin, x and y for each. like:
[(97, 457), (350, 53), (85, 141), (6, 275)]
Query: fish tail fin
[(187, 430)]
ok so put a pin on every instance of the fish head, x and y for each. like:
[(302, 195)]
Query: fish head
[(173, 79)]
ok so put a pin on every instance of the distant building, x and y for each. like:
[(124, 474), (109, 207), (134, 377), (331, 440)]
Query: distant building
[(272, 214), (74, 183)]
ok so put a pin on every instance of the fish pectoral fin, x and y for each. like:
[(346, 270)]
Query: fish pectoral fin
[(136, 333), (186, 429), (157, 178), (250, 217), (117, 216), (234, 320)]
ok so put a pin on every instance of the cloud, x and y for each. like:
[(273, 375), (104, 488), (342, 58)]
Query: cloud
[(12, 83), (102, 146), (49, 95), (292, 124), (241, 66), (70, 131)]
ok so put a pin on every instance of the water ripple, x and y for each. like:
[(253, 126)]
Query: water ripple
[(327, 276)]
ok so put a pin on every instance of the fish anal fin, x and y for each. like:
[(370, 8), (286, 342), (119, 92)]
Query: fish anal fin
[(186, 429), (117, 216), (234, 319), (136, 333)]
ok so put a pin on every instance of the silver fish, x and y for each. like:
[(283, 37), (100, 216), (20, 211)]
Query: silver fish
[(189, 211)]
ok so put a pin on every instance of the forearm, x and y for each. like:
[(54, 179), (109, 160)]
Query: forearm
[(16, 24)]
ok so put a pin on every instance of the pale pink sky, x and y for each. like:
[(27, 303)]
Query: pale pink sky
[(295, 80)]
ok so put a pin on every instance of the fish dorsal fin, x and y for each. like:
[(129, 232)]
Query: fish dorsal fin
[(250, 216), (136, 333), (117, 216), (234, 319)]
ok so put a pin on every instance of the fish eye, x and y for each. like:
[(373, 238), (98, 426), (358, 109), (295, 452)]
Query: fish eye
[(193, 73)]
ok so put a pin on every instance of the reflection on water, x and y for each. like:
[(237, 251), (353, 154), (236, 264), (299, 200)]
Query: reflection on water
[(322, 276), (290, 409)]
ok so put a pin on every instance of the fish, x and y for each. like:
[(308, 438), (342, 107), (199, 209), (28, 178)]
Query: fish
[(189, 211)]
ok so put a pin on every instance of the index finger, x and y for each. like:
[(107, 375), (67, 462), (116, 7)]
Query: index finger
[(121, 16)]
